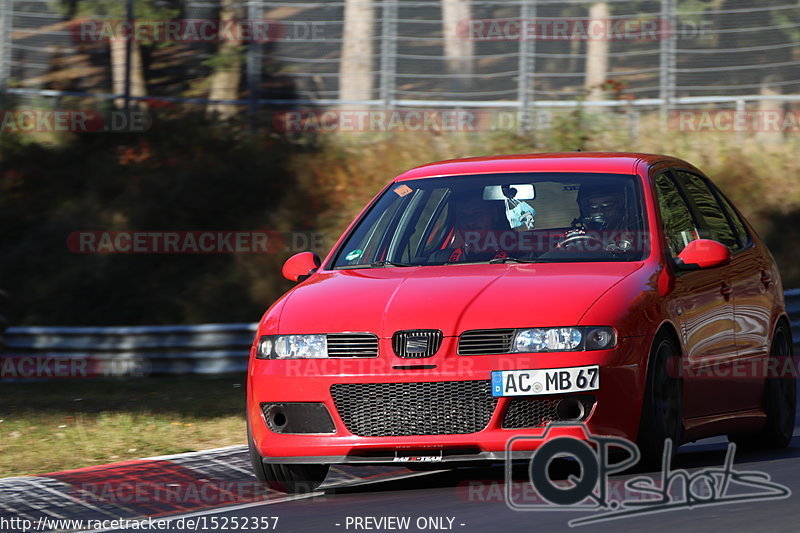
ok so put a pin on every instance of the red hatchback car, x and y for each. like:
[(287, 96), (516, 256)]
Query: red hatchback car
[(479, 299)]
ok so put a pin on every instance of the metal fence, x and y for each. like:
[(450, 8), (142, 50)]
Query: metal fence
[(139, 351), (518, 54)]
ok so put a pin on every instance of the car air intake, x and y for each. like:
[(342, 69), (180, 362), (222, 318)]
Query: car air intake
[(485, 342), (427, 408), (538, 412), (352, 345), (417, 343)]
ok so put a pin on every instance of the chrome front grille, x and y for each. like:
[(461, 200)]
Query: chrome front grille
[(352, 345), (417, 343), (485, 342)]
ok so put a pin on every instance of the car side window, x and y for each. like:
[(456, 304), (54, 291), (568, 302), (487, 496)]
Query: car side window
[(715, 223), (679, 227), (736, 221)]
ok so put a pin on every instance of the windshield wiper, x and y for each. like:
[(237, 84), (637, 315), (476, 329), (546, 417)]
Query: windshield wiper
[(389, 263), (497, 260)]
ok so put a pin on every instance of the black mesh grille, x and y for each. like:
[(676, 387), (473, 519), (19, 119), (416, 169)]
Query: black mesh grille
[(352, 345), (417, 343), (485, 342), (533, 413), (427, 408)]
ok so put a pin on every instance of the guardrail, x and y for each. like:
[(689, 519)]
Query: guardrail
[(199, 349), (137, 350)]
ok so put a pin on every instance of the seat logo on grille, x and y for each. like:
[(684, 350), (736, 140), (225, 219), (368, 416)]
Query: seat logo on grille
[(416, 344)]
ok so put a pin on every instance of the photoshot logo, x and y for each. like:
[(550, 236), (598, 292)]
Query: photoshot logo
[(593, 491), (50, 121)]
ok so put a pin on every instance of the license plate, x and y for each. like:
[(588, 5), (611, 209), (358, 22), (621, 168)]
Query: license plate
[(545, 381)]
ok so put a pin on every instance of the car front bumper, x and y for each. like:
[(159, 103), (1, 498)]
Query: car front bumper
[(616, 409)]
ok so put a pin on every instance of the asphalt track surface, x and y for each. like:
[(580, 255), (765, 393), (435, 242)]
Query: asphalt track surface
[(473, 499)]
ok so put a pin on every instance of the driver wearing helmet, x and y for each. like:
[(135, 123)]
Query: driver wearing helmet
[(603, 220)]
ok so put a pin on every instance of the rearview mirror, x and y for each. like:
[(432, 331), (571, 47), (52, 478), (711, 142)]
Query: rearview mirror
[(300, 266), (703, 253), (517, 192)]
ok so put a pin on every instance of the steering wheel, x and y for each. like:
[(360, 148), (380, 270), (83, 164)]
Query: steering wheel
[(572, 239)]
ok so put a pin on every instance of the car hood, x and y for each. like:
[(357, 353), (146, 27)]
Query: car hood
[(453, 298)]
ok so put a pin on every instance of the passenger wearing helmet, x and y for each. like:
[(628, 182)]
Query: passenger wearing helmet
[(477, 227)]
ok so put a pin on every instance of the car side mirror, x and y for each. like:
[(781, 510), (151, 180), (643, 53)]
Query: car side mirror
[(703, 253), (300, 266)]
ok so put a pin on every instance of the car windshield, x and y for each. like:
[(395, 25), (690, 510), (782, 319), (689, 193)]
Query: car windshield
[(498, 218)]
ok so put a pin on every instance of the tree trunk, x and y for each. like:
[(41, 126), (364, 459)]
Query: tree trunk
[(597, 54), (138, 87), (355, 67), (224, 81), (770, 113), (457, 50)]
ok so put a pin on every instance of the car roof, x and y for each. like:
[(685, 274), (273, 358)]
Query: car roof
[(599, 162)]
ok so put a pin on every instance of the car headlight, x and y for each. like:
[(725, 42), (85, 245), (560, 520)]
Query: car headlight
[(563, 339), (292, 347)]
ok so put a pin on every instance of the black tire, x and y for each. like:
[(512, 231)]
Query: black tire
[(289, 478), (662, 404), (779, 402)]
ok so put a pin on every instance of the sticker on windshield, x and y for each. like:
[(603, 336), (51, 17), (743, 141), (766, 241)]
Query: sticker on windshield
[(355, 254), (402, 190)]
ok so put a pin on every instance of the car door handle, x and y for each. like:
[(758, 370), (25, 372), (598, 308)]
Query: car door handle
[(726, 291)]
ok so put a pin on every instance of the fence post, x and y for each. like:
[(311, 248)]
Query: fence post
[(526, 65), (6, 27), (254, 12), (388, 53), (668, 29), (128, 53)]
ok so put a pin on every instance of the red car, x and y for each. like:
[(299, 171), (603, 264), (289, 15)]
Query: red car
[(479, 299)]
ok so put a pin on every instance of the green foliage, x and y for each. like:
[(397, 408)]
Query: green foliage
[(190, 173)]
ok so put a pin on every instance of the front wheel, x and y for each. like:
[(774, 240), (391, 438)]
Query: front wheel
[(662, 407), (290, 478)]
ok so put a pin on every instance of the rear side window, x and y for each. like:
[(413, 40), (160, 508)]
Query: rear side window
[(736, 221), (679, 227), (715, 224)]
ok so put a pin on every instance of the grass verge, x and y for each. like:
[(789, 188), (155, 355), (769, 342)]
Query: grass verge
[(60, 425)]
